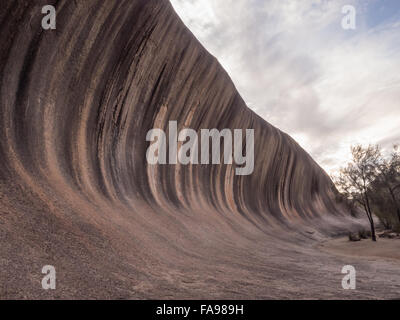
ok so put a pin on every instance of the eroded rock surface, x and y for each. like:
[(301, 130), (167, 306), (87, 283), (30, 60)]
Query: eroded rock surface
[(76, 191)]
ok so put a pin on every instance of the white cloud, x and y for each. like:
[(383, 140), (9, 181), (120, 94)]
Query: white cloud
[(325, 86)]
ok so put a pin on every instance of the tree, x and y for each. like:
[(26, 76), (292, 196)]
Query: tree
[(355, 180), (386, 186)]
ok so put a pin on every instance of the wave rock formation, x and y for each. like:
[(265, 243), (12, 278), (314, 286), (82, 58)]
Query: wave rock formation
[(76, 191)]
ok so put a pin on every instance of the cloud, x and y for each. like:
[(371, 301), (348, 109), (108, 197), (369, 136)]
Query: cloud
[(298, 69)]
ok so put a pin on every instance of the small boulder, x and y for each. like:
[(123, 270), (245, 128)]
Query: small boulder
[(354, 237), (363, 234)]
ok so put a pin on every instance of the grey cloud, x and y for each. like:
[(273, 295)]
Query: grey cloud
[(295, 64)]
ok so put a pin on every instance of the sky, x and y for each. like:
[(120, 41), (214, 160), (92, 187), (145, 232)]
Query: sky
[(298, 68)]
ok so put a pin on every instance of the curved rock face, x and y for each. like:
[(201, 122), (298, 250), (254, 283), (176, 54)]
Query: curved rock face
[(76, 191)]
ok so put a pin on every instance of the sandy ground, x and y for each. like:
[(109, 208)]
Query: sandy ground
[(383, 249)]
